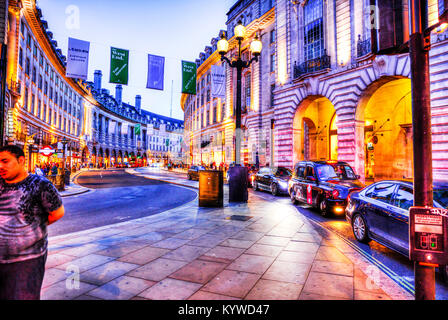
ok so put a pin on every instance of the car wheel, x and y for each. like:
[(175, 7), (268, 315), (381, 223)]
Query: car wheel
[(323, 208), (359, 227), (274, 189), (292, 195), (255, 183)]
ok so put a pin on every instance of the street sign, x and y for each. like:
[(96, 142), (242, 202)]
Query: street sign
[(428, 238), (46, 151)]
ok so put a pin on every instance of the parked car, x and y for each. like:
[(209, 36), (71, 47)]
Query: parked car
[(273, 180), (324, 185), (193, 172), (380, 212)]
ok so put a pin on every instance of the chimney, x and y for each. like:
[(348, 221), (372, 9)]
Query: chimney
[(118, 93), (97, 80), (138, 103)]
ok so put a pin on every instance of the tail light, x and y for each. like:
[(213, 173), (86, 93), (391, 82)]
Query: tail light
[(335, 194)]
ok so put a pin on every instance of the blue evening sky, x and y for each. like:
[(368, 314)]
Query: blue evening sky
[(176, 29)]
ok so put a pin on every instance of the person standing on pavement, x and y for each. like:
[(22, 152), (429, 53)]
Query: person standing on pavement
[(28, 204)]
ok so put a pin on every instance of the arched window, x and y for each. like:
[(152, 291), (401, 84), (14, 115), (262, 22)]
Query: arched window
[(247, 91), (314, 29)]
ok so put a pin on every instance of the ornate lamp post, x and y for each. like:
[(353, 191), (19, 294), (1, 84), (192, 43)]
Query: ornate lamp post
[(237, 179)]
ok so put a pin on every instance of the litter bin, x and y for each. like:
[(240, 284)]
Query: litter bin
[(211, 191), (67, 177), (238, 182)]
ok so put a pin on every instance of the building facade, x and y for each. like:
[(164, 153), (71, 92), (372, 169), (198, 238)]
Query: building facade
[(339, 87), (46, 108), (210, 121)]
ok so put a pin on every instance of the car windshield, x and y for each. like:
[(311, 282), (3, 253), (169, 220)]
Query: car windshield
[(441, 196), (336, 171), (201, 168), (283, 172)]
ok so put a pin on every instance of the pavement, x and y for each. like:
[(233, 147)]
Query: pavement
[(260, 250)]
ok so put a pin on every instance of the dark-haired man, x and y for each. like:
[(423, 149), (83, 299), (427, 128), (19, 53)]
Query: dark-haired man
[(28, 203)]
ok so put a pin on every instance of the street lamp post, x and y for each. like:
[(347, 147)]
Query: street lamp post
[(237, 176), (419, 45)]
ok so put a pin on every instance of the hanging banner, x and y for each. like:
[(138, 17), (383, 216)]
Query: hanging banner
[(119, 66), (77, 59), (137, 129), (112, 127), (188, 77), (156, 66), (124, 128), (218, 87)]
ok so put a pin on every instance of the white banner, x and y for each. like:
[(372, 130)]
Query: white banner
[(124, 128), (77, 59), (112, 127), (218, 87)]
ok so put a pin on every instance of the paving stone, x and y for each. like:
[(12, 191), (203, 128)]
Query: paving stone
[(144, 255), (122, 288), (344, 269), (293, 272), (274, 290), (208, 241), (83, 250), (107, 272), (53, 276), (251, 263), (158, 269), (122, 249), (192, 234), (274, 241), (293, 256), (56, 259), (331, 254), (186, 253), (171, 289), (365, 295), (329, 284), (204, 295), (237, 243), (264, 250), (85, 263), (62, 291), (222, 254), (199, 271), (170, 243), (307, 237), (300, 246), (248, 235), (313, 296), (232, 283)]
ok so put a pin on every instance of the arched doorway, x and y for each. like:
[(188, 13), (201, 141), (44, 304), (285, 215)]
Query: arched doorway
[(100, 157), (314, 130), (385, 112), (113, 159), (120, 157), (85, 155), (107, 158), (94, 158)]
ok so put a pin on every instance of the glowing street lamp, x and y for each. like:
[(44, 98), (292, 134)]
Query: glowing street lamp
[(237, 180)]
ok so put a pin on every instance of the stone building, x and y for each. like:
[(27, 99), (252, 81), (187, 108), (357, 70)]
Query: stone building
[(46, 108), (334, 83)]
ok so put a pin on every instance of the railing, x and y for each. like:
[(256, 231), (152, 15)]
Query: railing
[(312, 65), (364, 46)]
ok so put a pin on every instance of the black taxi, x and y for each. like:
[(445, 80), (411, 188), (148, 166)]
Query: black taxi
[(324, 185)]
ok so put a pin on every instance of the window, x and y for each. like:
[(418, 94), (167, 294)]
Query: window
[(272, 36), (44, 115), (21, 57), (310, 172), (404, 198), (272, 94), (27, 67), (301, 172), (22, 27), (34, 75), (272, 62), (39, 115), (28, 40), (32, 103), (382, 192), (39, 85), (247, 88), (208, 95), (25, 100), (314, 31), (215, 113), (46, 88)]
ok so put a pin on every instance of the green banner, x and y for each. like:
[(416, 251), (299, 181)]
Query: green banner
[(188, 77), (119, 66), (137, 129), (167, 142)]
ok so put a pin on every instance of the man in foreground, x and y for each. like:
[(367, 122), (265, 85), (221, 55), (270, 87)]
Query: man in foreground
[(28, 203)]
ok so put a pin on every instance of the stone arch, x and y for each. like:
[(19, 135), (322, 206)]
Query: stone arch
[(383, 133), (311, 129)]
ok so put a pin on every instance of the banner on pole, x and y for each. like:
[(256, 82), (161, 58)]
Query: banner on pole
[(119, 66), (156, 66), (77, 59), (218, 86), (137, 129), (124, 128), (188, 77)]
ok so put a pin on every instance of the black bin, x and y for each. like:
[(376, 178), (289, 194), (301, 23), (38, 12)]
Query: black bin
[(211, 191)]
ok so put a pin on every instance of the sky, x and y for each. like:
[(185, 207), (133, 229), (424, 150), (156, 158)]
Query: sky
[(176, 29)]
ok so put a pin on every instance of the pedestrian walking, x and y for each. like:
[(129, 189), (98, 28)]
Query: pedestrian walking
[(28, 204)]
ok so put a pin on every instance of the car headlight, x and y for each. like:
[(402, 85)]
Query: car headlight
[(283, 184)]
